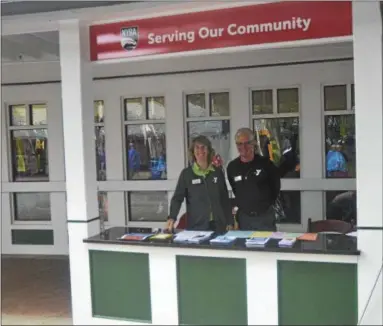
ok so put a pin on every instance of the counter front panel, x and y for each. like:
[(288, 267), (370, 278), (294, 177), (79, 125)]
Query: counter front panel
[(120, 285), (313, 293), (211, 291)]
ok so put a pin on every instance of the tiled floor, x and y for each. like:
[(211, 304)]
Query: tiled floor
[(35, 291)]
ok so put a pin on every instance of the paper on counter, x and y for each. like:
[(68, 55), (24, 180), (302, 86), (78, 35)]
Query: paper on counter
[(188, 235), (308, 237), (261, 234), (278, 235), (238, 234)]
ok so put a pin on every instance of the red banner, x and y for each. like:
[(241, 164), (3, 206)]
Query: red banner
[(284, 21)]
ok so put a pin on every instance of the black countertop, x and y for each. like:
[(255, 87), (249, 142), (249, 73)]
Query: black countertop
[(331, 244)]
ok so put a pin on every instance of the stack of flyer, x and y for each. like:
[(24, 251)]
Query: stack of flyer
[(136, 236), (238, 234), (193, 236), (258, 239), (256, 242), (287, 242), (223, 240), (161, 237)]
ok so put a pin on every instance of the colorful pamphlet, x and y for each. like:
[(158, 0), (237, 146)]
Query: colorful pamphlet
[(193, 236), (256, 242), (278, 235), (136, 236), (162, 236), (308, 237), (239, 234), (261, 234), (293, 234), (287, 242), (223, 240)]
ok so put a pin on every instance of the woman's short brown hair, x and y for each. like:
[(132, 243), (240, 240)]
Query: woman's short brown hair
[(203, 140)]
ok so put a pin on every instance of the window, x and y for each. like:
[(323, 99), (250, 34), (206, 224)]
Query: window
[(335, 97), (288, 207), (103, 205), (100, 140), (288, 100), (339, 121), (147, 206), (341, 205), (276, 124), (32, 206), (29, 142), (144, 120), (208, 115)]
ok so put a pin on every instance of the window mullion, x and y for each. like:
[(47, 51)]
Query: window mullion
[(275, 101)]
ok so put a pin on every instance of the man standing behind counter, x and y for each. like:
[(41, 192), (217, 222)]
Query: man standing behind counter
[(255, 182)]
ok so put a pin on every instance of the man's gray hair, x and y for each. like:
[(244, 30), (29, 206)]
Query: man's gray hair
[(245, 131)]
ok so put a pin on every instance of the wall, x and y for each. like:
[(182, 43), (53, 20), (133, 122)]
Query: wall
[(50, 71), (308, 77)]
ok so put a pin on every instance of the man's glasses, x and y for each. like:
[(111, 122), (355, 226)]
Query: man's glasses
[(243, 143)]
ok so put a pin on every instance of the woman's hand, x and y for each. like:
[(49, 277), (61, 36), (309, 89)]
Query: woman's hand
[(229, 227)]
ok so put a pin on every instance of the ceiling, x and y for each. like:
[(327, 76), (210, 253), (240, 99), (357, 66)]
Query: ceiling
[(44, 46), (30, 47), (18, 7)]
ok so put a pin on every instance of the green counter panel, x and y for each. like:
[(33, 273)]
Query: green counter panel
[(211, 291), (311, 293), (120, 285)]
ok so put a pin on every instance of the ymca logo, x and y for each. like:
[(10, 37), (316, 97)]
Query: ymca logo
[(215, 179), (258, 172), (129, 38)]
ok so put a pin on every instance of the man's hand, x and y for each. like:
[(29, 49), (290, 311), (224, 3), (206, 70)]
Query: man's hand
[(229, 227), (169, 225)]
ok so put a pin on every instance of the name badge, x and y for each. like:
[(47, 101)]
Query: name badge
[(196, 181), (238, 178)]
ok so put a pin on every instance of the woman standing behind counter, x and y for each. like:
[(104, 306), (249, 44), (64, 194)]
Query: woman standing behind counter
[(204, 188)]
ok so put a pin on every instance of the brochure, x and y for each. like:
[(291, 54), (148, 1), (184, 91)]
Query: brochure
[(278, 235), (308, 237), (193, 236), (162, 236), (287, 242), (239, 234), (261, 234), (256, 242), (293, 235), (223, 240), (136, 236)]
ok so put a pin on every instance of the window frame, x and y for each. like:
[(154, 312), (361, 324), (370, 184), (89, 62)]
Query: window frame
[(350, 110), (208, 117), (278, 115), (15, 222), (10, 128), (128, 208), (100, 125), (126, 123)]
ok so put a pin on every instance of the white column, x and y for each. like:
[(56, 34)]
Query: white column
[(367, 27), (80, 165), (175, 139)]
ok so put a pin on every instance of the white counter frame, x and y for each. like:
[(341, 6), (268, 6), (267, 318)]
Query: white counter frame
[(163, 279)]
